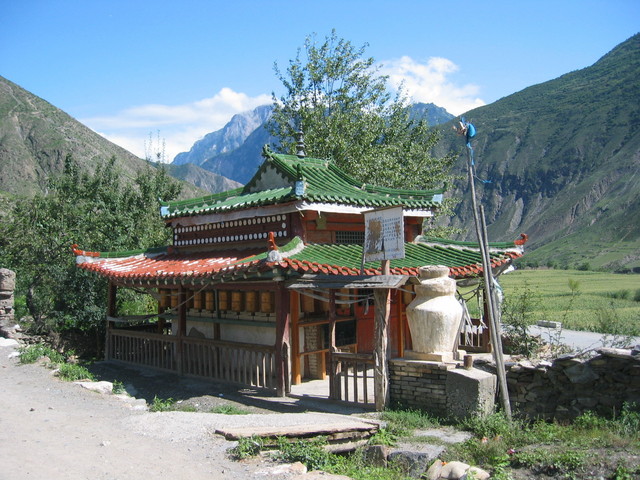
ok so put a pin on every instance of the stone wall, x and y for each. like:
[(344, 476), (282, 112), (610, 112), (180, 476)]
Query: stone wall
[(419, 384), (561, 390), (7, 286), (572, 385)]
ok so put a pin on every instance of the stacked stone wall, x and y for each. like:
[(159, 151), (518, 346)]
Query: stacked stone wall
[(419, 384), (572, 385), (7, 286)]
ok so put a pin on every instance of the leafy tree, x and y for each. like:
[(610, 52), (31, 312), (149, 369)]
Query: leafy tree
[(341, 102), (101, 212)]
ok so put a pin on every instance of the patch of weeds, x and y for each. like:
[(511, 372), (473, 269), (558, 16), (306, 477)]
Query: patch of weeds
[(161, 405), (490, 426), (550, 462), (628, 422), (247, 447), (118, 387), (311, 453), (229, 410), (357, 467), (489, 454), (183, 408), (623, 294), (73, 372), (33, 353), (403, 422), (623, 473), (384, 436)]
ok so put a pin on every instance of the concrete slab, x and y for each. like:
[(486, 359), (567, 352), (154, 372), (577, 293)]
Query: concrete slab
[(301, 425)]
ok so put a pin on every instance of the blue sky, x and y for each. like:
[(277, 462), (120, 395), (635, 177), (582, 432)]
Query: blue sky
[(178, 70)]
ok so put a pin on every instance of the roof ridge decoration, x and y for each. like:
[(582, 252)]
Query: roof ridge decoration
[(149, 252), (516, 245)]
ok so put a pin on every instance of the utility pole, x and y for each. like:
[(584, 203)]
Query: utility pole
[(492, 308)]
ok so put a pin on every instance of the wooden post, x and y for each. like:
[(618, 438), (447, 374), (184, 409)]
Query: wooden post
[(111, 312), (401, 323), (332, 341), (296, 373), (382, 301), (283, 320), (182, 327)]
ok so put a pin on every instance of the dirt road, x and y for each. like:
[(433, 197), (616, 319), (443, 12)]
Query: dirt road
[(50, 429)]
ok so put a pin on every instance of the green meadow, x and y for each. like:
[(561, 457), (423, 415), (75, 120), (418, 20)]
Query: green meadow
[(581, 300)]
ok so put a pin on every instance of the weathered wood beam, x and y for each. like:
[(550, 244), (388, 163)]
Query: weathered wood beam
[(283, 320)]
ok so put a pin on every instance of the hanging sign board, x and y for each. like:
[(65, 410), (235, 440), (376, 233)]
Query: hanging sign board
[(384, 234)]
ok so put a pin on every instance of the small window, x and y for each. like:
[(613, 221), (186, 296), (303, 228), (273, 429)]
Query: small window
[(350, 238)]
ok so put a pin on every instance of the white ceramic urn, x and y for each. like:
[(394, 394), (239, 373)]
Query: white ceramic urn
[(434, 315)]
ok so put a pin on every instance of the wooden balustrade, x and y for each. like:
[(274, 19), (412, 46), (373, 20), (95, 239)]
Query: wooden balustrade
[(246, 364), (143, 348)]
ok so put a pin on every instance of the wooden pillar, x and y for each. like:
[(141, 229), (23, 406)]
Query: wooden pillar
[(400, 313), (283, 327), (382, 300), (296, 373), (182, 327), (332, 343), (112, 311)]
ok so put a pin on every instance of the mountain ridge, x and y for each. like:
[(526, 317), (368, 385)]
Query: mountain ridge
[(234, 151), (563, 158), (36, 137)]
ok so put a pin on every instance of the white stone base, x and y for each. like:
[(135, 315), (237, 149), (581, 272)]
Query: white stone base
[(442, 357)]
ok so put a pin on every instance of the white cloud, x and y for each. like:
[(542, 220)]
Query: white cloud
[(180, 126), (429, 83)]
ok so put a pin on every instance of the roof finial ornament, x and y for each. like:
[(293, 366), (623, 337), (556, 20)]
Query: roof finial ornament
[(300, 143)]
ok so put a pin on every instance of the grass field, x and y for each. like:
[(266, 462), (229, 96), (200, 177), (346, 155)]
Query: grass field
[(581, 300)]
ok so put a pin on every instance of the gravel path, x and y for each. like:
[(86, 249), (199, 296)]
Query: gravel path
[(51, 429)]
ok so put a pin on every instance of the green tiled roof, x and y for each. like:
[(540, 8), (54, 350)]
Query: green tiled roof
[(292, 260), (323, 183), (346, 259)]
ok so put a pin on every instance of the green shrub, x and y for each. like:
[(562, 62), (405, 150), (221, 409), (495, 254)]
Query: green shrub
[(33, 353), (308, 452), (628, 423), (247, 447), (73, 372), (161, 405), (384, 436), (118, 387), (623, 294)]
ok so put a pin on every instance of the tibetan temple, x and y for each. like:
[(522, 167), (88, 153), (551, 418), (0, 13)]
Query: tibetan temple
[(266, 286)]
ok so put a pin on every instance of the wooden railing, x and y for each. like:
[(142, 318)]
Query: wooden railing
[(353, 378), (246, 364), (143, 348)]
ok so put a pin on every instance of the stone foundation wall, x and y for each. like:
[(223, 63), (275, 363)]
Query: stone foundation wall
[(562, 390), (572, 385), (419, 384)]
